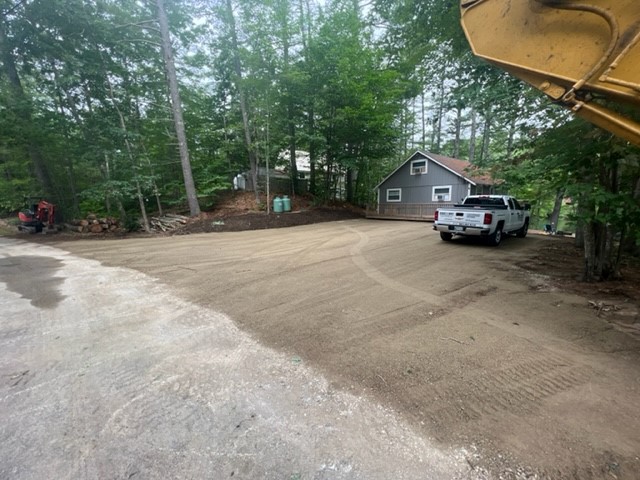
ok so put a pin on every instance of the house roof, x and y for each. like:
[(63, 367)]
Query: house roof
[(461, 168)]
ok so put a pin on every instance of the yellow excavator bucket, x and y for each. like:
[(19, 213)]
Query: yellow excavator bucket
[(584, 54)]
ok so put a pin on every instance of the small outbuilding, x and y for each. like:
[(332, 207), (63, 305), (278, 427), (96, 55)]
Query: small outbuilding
[(425, 182)]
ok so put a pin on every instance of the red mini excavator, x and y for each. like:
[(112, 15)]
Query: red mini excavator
[(36, 218)]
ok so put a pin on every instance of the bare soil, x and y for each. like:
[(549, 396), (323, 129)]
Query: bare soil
[(616, 300), (237, 211), (498, 351), (501, 352)]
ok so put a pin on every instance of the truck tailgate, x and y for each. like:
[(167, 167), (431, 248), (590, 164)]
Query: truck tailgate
[(467, 218)]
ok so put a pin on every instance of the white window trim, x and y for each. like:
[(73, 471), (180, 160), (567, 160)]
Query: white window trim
[(399, 190), (419, 161), (434, 196)]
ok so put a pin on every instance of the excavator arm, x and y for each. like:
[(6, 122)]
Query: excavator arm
[(584, 54)]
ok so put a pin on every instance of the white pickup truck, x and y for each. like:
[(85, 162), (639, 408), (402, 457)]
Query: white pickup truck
[(489, 216)]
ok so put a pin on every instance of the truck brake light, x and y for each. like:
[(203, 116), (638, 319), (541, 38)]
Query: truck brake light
[(488, 217), (435, 216)]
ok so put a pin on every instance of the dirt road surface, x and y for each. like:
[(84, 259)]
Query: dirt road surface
[(353, 349)]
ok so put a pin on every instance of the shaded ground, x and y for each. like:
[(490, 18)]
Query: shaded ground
[(616, 301), (560, 258)]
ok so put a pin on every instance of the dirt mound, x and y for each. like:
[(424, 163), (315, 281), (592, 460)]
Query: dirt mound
[(238, 211), (221, 221)]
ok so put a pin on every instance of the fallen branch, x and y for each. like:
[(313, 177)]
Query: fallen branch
[(454, 340), (167, 222)]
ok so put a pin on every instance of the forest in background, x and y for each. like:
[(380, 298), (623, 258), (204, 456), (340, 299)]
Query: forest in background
[(109, 107)]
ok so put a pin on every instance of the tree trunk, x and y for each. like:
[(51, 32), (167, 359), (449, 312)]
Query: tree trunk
[(123, 125), (176, 108), (106, 173), (598, 252), (590, 263), (291, 126), (510, 140), (601, 260), (253, 161), (458, 128), (472, 138), (22, 107), (75, 206), (411, 121), (438, 129), (486, 137), (312, 153), (327, 176), (557, 207), (156, 190), (423, 138), (305, 34)]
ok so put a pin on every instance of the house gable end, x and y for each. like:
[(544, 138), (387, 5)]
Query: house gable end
[(442, 165), (396, 177)]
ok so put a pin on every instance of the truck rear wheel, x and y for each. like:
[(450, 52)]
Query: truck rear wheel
[(496, 237), (446, 236), (523, 231)]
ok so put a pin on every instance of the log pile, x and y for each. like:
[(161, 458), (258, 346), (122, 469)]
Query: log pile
[(167, 222), (94, 224)]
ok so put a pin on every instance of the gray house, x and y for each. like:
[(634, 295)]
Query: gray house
[(427, 181)]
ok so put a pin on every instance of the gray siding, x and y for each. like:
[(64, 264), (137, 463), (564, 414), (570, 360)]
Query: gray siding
[(419, 188)]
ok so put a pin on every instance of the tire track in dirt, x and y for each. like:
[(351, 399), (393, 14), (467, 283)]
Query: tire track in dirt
[(377, 327), (372, 272), (520, 389)]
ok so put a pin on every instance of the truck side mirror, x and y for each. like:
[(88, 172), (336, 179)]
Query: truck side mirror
[(527, 206)]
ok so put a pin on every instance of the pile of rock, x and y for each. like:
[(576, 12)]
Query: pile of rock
[(95, 224)]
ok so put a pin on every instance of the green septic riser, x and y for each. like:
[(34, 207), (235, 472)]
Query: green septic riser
[(286, 204), (277, 205)]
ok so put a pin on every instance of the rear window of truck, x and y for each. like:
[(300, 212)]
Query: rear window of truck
[(488, 202)]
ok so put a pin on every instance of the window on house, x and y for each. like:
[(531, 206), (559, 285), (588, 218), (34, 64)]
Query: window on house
[(418, 167), (394, 195), (442, 194)]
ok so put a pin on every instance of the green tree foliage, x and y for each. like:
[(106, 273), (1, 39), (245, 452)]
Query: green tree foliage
[(470, 109), (91, 73), (86, 119), (601, 175)]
